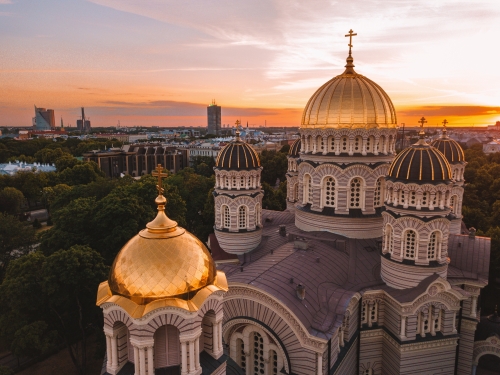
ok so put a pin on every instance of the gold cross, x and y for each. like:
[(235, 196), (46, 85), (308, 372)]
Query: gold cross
[(158, 172), (350, 35), (422, 121), (237, 123), (445, 122)]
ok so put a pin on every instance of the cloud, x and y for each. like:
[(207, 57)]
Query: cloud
[(2, 2), (452, 110)]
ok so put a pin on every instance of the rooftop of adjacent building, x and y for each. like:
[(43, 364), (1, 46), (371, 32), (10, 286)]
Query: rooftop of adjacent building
[(332, 269)]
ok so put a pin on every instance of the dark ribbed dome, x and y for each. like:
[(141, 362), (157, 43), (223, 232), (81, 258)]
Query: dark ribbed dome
[(450, 148), (420, 163), (295, 149), (237, 155)]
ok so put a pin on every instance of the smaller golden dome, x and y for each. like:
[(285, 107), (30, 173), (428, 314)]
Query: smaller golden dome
[(449, 147), (237, 155), (295, 149)]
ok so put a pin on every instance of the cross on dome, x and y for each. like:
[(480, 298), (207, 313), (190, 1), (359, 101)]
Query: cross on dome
[(350, 35), (158, 172), (349, 66), (422, 121)]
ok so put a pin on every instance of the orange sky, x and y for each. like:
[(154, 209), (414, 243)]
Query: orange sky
[(162, 62)]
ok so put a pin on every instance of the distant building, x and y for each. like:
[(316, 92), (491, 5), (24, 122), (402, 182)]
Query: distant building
[(138, 160), (118, 136), (205, 149), (492, 147), (44, 119), (83, 125), (214, 118), (11, 168)]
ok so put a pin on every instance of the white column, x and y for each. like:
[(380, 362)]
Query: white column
[(220, 336), (151, 368), (320, 364), (403, 326), (114, 352), (137, 361), (473, 308), (197, 353), (422, 325), (369, 312), (191, 357), (325, 145), (109, 352), (142, 361), (454, 321), (184, 369), (215, 337)]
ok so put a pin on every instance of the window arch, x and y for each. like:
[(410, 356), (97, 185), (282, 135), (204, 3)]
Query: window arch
[(241, 357), (389, 239), (226, 217), (381, 144), (227, 182), (307, 189), (309, 143), (329, 192), (358, 142), (344, 144), (296, 192), (331, 143), (454, 204), (242, 217), (319, 144), (273, 363), (356, 193), (425, 199), (234, 182), (434, 246), (379, 193), (258, 354), (410, 242), (242, 182), (370, 144)]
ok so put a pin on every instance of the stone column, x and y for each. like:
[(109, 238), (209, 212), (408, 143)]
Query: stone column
[(142, 361), (114, 352), (369, 313), (109, 352), (473, 308), (137, 361), (363, 150), (197, 353), (215, 337), (184, 369), (192, 368), (325, 145), (151, 367), (319, 364), (403, 327)]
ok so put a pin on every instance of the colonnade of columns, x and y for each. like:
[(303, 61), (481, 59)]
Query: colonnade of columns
[(400, 197), (237, 182), (323, 144), (190, 354)]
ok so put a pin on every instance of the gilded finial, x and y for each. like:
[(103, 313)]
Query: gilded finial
[(350, 61), (422, 121), (444, 128)]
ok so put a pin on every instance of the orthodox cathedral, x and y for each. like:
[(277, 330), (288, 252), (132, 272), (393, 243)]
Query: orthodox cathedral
[(368, 271)]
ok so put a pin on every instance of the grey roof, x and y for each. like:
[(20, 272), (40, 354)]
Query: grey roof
[(469, 257), (332, 269)]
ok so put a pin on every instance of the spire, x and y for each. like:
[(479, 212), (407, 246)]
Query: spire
[(445, 131), (350, 61), (161, 223)]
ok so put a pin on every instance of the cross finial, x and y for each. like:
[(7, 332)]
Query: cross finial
[(350, 35), (237, 123), (422, 121), (445, 121), (159, 172)]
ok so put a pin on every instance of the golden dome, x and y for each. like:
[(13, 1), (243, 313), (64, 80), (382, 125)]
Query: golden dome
[(162, 265), (295, 148), (351, 101), (237, 155), (449, 147)]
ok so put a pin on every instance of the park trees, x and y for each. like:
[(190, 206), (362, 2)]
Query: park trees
[(11, 200)]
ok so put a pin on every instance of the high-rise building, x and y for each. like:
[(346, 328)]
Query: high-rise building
[(44, 119), (214, 118), (83, 125)]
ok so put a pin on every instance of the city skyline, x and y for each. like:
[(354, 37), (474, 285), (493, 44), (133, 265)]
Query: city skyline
[(162, 62)]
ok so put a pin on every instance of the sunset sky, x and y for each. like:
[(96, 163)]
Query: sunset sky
[(161, 62)]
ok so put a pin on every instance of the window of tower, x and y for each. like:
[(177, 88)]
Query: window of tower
[(363, 313), (319, 143), (402, 195), (437, 321), (307, 189), (242, 182), (240, 347), (273, 362), (425, 199), (329, 191), (435, 199), (413, 198), (358, 141), (249, 182), (355, 193), (410, 244), (454, 204), (377, 200), (370, 142), (389, 246), (344, 143), (234, 182), (258, 354), (432, 248), (332, 144), (242, 217), (227, 182), (295, 192), (226, 217)]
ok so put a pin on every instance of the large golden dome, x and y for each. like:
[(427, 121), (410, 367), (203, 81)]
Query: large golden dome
[(163, 265), (351, 101)]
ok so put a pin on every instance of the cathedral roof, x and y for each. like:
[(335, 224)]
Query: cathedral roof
[(164, 262), (420, 163), (295, 148), (449, 147), (237, 155), (349, 100)]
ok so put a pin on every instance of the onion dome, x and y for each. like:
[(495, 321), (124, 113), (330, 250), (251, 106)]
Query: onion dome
[(295, 148), (420, 163), (162, 265), (449, 147), (237, 155), (349, 100)]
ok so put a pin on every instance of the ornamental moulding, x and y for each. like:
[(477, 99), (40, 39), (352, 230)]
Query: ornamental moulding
[(237, 290)]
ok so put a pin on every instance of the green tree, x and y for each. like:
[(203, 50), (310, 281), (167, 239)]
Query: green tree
[(11, 200), (65, 162), (33, 339), (204, 165), (47, 155), (275, 165), (81, 174), (50, 194)]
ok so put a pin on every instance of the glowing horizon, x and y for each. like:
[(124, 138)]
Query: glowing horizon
[(151, 62)]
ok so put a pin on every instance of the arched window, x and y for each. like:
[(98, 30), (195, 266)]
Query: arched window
[(241, 358), (319, 143), (410, 244), (454, 204), (413, 198), (358, 142), (242, 182), (425, 199), (331, 144), (242, 217), (226, 217), (249, 182), (389, 240), (344, 144), (355, 195), (402, 197), (307, 189), (381, 144), (434, 245), (379, 193), (234, 182), (258, 354), (273, 363), (309, 144), (166, 347), (329, 191), (227, 182), (370, 143)]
